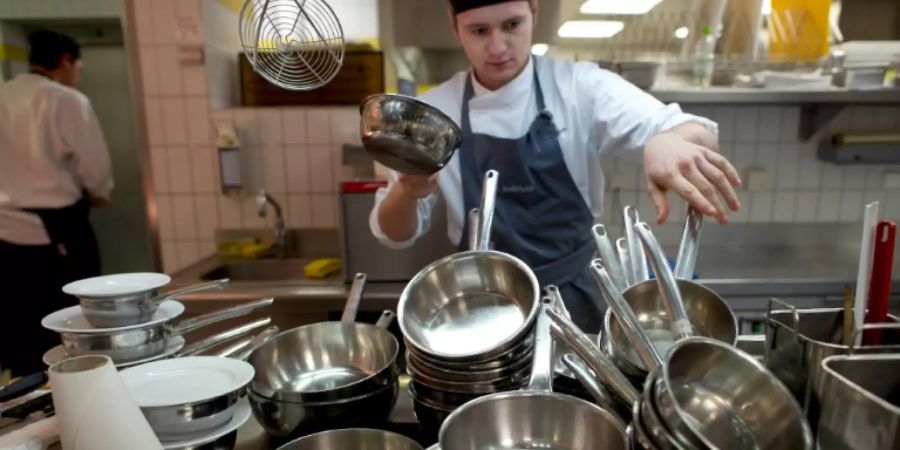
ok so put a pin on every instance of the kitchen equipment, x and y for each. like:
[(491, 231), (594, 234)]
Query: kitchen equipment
[(294, 45), (535, 418), (880, 287), (864, 273), (690, 243), (609, 257), (668, 288), (860, 403), (623, 251), (136, 343), (353, 438), (72, 319), (222, 438), (196, 348), (423, 372), (407, 135), (119, 300), (672, 435), (22, 386), (471, 306), (636, 257), (242, 349), (521, 350), (328, 361), (190, 396), (173, 345), (584, 375)]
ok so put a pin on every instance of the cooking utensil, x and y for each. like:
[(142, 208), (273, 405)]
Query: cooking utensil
[(666, 436), (880, 287), (581, 372), (473, 228), (671, 295), (860, 407), (848, 315), (148, 340), (72, 319), (626, 318), (294, 45), (187, 397), (535, 418), (222, 438), (609, 257), (690, 242), (636, 256), (622, 251), (104, 309), (353, 438), (864, 274), (173, 346), (242, 350), (471, 306), (327, 361), (521, 350), (23, 386), (407, 135), (201, 346), (424, 372), (728, 399)]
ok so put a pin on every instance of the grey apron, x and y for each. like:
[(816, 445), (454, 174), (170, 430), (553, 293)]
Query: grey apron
[(540, 216)]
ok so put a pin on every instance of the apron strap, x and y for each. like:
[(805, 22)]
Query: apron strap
[(560, 271)]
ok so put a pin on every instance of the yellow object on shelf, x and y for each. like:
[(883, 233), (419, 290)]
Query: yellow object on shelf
[(799, 30), (322, 268)]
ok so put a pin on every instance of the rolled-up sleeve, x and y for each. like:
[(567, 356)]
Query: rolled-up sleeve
[(83, 141), (423, 211), (624, 117)]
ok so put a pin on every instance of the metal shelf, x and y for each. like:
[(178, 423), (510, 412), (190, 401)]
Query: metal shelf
[(744, 96)]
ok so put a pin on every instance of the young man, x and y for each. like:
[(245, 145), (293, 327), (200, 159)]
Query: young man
[(54, 165), (543, 124)]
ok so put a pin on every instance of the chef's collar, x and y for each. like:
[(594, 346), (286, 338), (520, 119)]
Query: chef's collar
[(458, 6), (508, 93)]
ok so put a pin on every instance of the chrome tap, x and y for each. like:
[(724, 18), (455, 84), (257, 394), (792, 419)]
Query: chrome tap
[(263, 198)]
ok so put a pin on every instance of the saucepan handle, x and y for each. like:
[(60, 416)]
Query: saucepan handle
[(581, 372), (386, 319), (217, 316), (488, 203), (609, 256), (205, 344), (208, 286), (354, 298)]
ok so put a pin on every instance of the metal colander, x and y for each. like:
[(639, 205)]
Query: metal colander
[(294, 44)]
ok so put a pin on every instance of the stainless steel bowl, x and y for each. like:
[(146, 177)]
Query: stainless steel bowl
[(417, 367), (353, 438), (407, 135)]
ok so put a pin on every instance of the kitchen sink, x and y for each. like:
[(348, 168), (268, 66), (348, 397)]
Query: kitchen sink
[(259, 270)]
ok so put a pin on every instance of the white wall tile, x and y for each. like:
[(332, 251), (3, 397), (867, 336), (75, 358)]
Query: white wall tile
[(146, 32), (179, 162), (318, 126), (829, 206), (810, 168), (294, 125), (199, 128), (320, 169), (149, 72), (345, 125), (341, 172), (807, 207), (168, 70), (188, 253), (854, 177), (788, 171), (247, 122), (746, 124), (207, 248), (156, 131), (188, 8), (725, 117), (767, 157), (324, 210), (742, 215), (165, 217), (761, 207), (229, 212), (250, 214), (744, 158), (832, 177), (221, 116), (785, 205), (207, 216), (194, 79), (274, 169), (271, 126), (170, 257), (297, 158), (300, 211), (204, 169), (174, 120), (891, 206), (790, 123), (163, 14), (185, 222), (159, 165), (647, 209), (852, 205), (769, 124)]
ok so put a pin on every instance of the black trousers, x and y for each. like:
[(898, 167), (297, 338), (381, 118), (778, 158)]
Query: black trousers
[(31, 280)]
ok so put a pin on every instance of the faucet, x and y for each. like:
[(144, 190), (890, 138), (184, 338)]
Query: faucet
[(263, 198)]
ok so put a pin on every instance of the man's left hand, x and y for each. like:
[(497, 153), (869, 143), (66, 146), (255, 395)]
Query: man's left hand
[(682, 161)]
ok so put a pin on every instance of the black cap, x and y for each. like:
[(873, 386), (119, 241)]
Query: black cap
[(459, 6)]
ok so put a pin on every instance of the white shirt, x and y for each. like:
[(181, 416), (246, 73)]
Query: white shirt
[(51, 147), (598, 112)]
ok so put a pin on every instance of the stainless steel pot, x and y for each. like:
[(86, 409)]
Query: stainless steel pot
[(226, 442), (407, 135), (502, 383), (728, 399), (419, 370), (535, 418), (143, 342), (522, 350), (353, 438), (124, 310), (671, 435), (439, 399), (328, 361), (471, 306)]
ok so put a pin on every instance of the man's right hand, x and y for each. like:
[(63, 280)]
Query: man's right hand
[(417, 186)]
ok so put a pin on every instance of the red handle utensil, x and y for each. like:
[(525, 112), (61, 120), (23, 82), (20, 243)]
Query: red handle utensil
[(880, 286)]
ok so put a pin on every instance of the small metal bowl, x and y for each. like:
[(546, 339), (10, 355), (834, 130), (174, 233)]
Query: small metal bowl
[(407, 135)]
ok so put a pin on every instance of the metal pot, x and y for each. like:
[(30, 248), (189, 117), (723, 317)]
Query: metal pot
[(522, 350), (143, 342), (728, 399), (328, 361), (226, 442), (533, 418), (353, 438), (505, 383), (407, 135), (673, 435), (437, 397), (471, 306), (418, 369)]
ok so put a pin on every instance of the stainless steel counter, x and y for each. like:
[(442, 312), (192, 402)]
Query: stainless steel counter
[(745, 96)]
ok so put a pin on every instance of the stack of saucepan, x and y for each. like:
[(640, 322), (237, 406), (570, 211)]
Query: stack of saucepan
[(326, 375), (467, 321), (125, 317)]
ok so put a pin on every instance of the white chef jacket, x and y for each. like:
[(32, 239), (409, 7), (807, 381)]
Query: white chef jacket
[(598, 113), (51, 147)]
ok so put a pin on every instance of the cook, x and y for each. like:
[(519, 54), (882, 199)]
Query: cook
[(544, 124)]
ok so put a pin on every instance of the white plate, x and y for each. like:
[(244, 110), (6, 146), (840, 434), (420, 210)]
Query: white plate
[(185, 380), (241, 414), (117, 285), (176, 343), (71, 319)]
